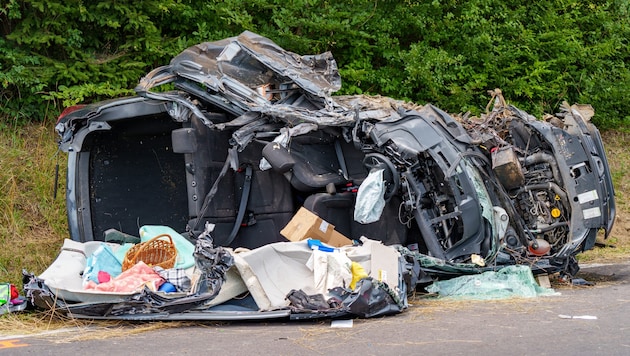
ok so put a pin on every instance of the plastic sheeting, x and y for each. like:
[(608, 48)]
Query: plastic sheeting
[(272, 271), (508, 282), (102, 260)]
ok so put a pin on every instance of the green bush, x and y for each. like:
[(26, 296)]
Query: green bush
[(55, 53), (63, 52)]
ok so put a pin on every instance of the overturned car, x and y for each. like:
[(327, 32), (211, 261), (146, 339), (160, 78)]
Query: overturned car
[(226, 143)]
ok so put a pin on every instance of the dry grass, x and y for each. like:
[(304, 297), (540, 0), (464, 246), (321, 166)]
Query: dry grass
[(102, 330), (32, 223), (64, 329), (36, 323), (617, 246)]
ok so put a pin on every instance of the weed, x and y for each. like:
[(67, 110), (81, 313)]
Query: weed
[(32, 223)]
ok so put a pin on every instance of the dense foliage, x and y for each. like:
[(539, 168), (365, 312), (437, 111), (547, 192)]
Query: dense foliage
[(55, 53)]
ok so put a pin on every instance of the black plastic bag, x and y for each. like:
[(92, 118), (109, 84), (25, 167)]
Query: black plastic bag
[(370, 298)]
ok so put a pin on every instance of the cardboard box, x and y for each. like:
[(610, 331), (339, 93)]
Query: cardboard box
[(306, 224), (338, 239)]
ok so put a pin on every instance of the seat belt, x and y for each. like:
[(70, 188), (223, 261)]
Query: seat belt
[(247, 185), (231, 160), (342, 161)]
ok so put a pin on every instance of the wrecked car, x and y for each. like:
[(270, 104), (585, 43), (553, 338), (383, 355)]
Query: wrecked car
[(229, 141)]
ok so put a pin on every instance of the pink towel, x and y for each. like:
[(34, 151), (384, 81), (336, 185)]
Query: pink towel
[(130, 280)]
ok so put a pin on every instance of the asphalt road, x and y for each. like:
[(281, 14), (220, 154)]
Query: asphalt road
[(436, 327)]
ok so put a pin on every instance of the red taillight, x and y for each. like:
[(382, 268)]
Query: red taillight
[(69, 109)]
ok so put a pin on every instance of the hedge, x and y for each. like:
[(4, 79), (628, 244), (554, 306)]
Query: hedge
[(56, 53)]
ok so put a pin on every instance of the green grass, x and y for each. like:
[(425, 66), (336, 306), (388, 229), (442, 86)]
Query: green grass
[(618, 243), (32, 223)]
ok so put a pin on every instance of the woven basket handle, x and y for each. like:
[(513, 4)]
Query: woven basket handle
[(147, 243)]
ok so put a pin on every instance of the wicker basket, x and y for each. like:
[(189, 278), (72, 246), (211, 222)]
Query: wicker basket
[(155, 252)]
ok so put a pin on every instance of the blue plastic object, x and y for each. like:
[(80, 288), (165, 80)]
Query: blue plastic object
[(318, 245), (167, 287)]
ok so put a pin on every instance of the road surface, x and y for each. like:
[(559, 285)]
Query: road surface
[(600, 325)]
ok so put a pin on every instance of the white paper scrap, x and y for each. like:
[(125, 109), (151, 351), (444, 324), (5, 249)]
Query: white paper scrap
[(341, 323), (585, 317)]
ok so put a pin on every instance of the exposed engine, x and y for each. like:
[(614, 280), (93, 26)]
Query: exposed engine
[(525, 164)]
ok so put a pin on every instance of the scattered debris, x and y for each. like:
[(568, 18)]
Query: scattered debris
[(581, 282), (508, 282), (543, 280), (584, 317), (10, 299), (348, 323)]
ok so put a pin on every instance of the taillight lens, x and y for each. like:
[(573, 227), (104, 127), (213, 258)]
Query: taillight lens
[(68, 110)]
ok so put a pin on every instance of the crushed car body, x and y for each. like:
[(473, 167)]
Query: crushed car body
[(226, 143)]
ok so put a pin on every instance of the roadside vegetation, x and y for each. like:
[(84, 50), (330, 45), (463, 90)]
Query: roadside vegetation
[(55, 53), (617, 247), (32, 223)]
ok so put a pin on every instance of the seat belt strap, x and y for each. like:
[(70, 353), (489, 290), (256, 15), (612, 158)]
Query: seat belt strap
[(247, 185)]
